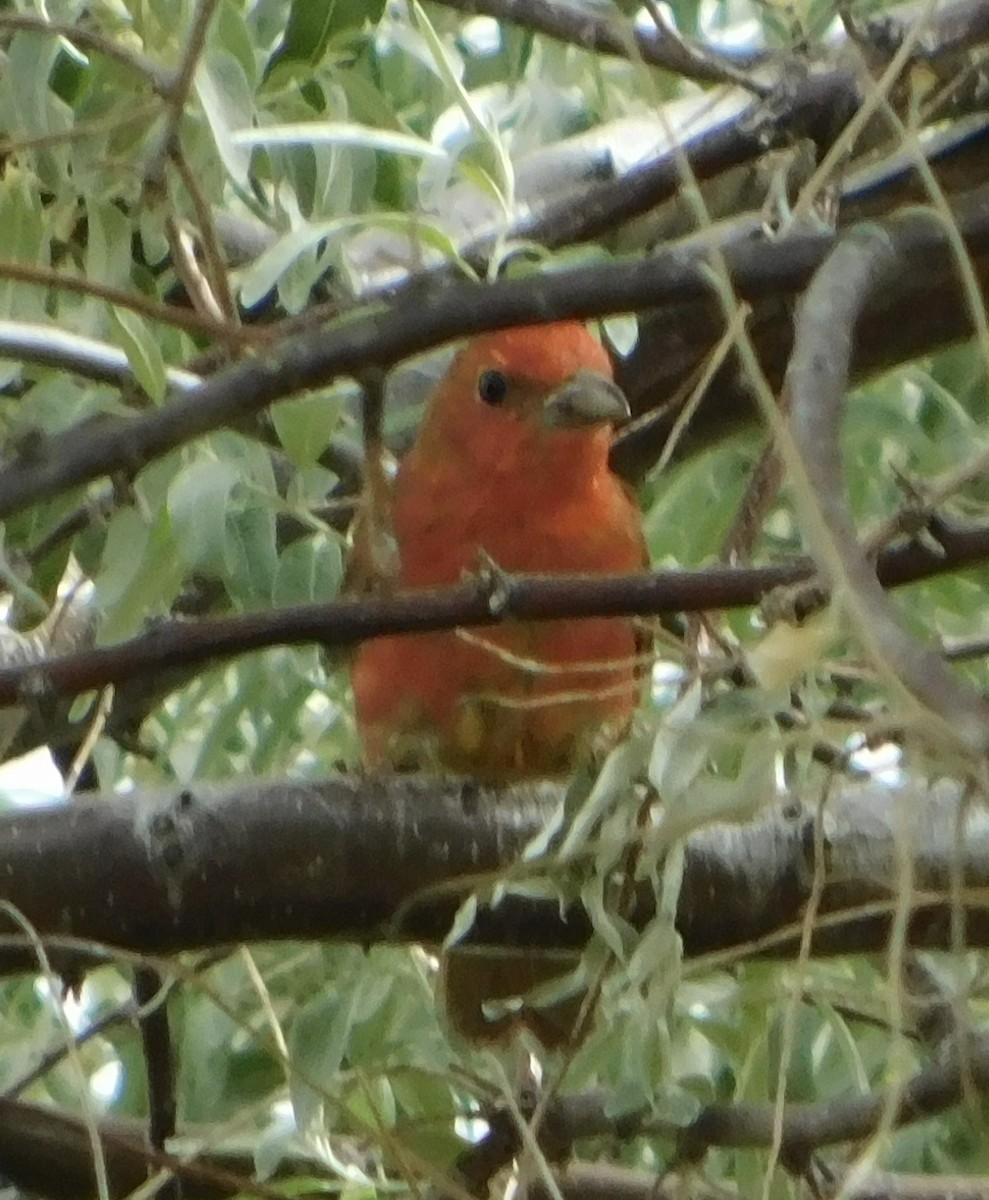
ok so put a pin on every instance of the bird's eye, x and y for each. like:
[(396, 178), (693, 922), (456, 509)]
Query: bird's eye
[(492, 387)]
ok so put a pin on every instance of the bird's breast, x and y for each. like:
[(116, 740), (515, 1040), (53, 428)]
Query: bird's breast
[(523, 529), (520, 699)]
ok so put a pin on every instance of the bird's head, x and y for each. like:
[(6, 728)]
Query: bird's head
[(526, 394)]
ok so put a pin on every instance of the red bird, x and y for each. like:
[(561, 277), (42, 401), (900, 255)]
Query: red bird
[(511, 462)]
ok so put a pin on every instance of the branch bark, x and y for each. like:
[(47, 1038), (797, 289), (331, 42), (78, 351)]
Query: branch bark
[(816, 382), (676, 278), (389, 859), (152, 664)]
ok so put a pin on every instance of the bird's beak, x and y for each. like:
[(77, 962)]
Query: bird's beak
[(586, 398)]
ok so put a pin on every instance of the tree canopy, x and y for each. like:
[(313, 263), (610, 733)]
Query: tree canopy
[(239, 240)]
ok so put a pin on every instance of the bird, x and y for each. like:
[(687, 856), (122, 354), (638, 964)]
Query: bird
[(509, 471)]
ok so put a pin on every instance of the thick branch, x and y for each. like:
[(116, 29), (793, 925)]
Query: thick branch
[(920, 309), (602, 1181), (676, 277), (602, 33), (49, 1153), (381, 859), (122, 445)]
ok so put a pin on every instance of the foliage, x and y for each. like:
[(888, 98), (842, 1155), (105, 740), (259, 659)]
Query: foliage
[(350, 139)]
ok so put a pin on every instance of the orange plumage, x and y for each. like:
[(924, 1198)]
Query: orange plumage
[(511, 462), (522, 477)]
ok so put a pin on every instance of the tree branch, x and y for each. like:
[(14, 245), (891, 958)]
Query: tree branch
[(49, 1152), (938, 1086), (102, 362), (603, 33), (389, 859), (676, 277), (816, 382), (88, 40), (172, 651)]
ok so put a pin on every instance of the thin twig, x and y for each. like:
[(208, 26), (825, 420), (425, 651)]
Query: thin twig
[(50, 1060), (216, 271), (844, 143), (151, 996), (176, 90), (84, 38), (604, 34), (91, 513), (181, 245), (700, 62), (342, 623), (155, 310), (937, 1087)]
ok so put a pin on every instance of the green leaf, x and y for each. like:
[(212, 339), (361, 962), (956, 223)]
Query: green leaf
[(262, 275), (138, 342), (250, 557), (141, 572), (306, 426), (308, 29), (313, 23), (31, 109), (25, 239), (198, 502), (463, 922), (319, 1036), (207, 1034), (309, 570), (486, 134), (611, 930), (227, 101), (108, 246)]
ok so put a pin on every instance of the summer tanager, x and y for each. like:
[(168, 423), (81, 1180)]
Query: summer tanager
[(511, 462)]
